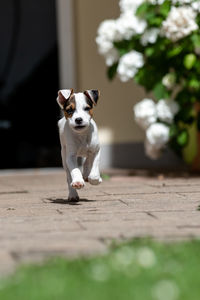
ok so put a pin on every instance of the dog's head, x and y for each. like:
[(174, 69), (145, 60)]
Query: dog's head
[(78, 107)]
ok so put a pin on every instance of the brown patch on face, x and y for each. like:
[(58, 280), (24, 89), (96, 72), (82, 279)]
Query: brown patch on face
[(90, 106), (91, 112), (69, 108)]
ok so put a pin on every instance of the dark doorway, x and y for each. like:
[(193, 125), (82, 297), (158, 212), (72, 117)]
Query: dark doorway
[(28, 84)]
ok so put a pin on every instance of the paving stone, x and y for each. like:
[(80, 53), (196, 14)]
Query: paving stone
[(37, 222)]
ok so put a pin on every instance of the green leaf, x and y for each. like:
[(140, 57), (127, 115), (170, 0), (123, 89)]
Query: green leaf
[(142, 9), (149, 51), (124, 46), (196, 40), (150, 16), (165, 8), (111, 71), (175, 51), (186, 114), (182, 138), (184, 98), (160, 91), (173, 131), (189, 60), (153, 20), (194, 84)]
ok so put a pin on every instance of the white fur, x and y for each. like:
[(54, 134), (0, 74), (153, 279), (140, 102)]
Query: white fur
[(79, 143)]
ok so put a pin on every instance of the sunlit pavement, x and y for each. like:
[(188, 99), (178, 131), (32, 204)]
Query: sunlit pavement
[(37, 222)]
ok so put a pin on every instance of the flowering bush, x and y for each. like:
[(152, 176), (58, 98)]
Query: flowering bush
[(157, 42)]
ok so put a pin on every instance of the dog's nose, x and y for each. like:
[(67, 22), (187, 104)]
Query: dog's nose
[(78, 121)]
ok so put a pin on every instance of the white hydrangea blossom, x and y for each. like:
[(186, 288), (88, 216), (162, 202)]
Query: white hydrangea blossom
[(107, 33), (166, 110), (182, 2), (156, 1), (111, 57), (196, 6), (169, 80), (150, 36), (179, 23), (145, 113), (129, 25), (129, 65), (110, 31), (157, 136), (152, 151), (129, 6)]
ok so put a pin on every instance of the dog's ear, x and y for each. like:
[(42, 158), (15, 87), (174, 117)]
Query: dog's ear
[(93, 95), (63, 97)]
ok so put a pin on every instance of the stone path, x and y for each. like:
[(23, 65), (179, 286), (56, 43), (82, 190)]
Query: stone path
[(36, 222)]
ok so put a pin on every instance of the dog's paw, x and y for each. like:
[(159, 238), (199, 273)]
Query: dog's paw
[(94, 180), (73, 199), (78, 184)]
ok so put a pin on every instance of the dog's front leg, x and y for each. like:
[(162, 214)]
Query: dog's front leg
[(73, 195), (76, 176), (92, 166)]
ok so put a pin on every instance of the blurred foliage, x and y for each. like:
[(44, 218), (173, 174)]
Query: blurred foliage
[(141, 269)]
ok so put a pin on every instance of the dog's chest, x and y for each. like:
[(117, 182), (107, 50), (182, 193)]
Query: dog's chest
[(83, 151), (85, 148)]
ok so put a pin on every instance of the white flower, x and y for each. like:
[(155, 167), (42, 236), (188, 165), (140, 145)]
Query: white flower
[(182, 2), (129, 25), (103, 45), (130, 6), (196, 6), (158, 135), (150, 36), (111, 57), (166, 110), (107, 30), (152, 151), (107, 49), (156, 1), (129, 65), (145, 113), (107, 33), (179, 23), (169, 80)]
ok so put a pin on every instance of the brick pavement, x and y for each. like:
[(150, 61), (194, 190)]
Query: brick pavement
[(36, 222)]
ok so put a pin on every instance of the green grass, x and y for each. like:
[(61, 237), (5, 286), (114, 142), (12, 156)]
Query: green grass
[(141, 269)]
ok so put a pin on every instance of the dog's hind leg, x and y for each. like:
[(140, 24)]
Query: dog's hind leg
[(94, 177), (86, 168)]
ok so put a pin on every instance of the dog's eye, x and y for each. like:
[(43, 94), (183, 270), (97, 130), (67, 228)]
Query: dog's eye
[(70, 111), (87, 108)]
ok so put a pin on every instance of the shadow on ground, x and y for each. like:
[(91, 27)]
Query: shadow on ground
[(67, 202)]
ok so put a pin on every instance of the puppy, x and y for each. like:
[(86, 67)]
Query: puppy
[(79, 138)]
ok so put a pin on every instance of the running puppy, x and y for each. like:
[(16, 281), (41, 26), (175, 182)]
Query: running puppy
[(79, 138)]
